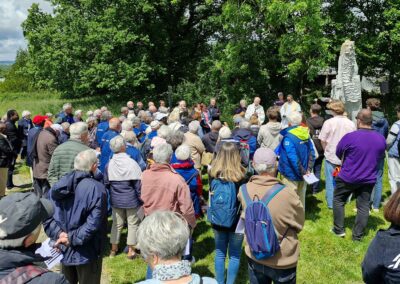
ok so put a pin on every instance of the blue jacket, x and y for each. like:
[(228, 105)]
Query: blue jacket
[(380, 123), (192, 178), (296, 153), (135, 154), (32, 136), (123, 194), (101, 129), (152, 134), (63, 137), (80, 210), (381, 262), (63, 117), (246, 135), (24, 125), (105, 149)]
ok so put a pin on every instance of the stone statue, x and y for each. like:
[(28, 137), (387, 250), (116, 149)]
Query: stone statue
[(347, 86)]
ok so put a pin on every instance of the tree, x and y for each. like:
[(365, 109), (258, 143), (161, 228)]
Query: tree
[(263, 47), (117, 47)]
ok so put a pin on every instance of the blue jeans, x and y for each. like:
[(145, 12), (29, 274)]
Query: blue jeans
[(317, 173), (261, 274), (376, 194), (329, 183), (223, 241)]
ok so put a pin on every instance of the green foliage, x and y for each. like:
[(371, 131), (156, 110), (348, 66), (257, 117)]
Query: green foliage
[(201, 48), (16, 77), (118, 47)]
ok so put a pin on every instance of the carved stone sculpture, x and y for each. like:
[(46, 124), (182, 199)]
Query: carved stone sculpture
[(347, 86)]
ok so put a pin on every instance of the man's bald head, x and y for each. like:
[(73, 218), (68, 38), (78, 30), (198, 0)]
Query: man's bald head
[(114, 124), (364, 117)]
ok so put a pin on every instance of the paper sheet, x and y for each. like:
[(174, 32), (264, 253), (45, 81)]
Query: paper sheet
[(46, 250), (310, 178)]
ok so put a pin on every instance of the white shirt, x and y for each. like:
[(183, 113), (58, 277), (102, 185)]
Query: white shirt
[(259, 110)]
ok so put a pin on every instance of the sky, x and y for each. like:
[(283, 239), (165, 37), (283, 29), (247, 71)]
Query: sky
[(12, 14)]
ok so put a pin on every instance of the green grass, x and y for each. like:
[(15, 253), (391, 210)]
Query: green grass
[(43, 102), (324, 258)]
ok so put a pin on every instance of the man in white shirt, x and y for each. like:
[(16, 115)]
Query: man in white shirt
[(256, 109), (289, 107), (331, 133)]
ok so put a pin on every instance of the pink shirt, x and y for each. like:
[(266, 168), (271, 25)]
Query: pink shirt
[(332, 132)]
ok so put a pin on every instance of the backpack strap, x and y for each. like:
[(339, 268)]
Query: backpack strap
[(23, 274), (190, 179), (245, 194), (272, 192)]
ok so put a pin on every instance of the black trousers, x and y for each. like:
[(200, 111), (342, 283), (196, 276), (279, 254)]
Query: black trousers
[(10, 173), (362, 192), (89, 273), (261, 274), (41, 186)]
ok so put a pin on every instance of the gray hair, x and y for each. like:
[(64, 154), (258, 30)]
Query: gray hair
[(89, 113), (245, 124), (194, 126), (136, 121), (163, 109), (176, 139), (77, 129), (127, 125), (182, 152), (162, 153), (225, 133), (78, 112), (49, 114), (85, 160), (65, 125), (131, 116), (295, 118), (16, 243), (106, 115), (264, 168), (117, 144), (91, 119), (163, 233), (97, 113), (67, 106), (130, 137), (216, 125), (164, 132), (25, 113)]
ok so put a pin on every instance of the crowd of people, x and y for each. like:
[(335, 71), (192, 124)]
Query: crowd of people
[(144, 168)]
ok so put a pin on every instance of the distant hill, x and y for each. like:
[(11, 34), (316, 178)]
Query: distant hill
[(6, 63)]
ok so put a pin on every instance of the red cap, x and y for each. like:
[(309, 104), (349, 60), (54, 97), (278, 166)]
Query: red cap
[(39, 119)]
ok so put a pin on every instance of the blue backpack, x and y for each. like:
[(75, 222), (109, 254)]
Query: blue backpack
[(259, 228), (223, 209)]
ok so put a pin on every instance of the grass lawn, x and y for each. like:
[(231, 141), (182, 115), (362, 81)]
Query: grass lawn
[(324, 258)]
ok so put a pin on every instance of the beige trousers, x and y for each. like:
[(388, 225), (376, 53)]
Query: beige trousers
[(301, 189), (3, 181), (119, 215)]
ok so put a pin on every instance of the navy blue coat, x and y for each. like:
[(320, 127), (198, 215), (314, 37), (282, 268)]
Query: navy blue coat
[(32, 136), (382, 260), (24, 125), (80, 204)]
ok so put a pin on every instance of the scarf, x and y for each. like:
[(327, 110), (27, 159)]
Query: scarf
[(165, 272), (122, 167)]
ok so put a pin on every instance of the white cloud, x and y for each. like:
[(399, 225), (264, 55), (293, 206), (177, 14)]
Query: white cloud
[(12, 14)]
